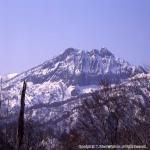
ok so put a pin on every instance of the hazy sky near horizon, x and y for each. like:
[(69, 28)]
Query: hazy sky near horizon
[(32, 31)]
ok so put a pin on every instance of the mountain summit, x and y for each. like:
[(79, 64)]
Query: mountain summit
[(79, 67)]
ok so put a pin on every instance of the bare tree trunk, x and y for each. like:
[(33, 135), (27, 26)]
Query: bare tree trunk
[(20, 130)]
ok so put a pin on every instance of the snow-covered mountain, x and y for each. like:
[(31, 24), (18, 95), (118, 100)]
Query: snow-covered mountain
[(77, 67), (57, 87), (72, 73)]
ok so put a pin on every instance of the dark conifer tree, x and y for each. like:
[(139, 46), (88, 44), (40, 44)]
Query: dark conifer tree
[(20, 130)]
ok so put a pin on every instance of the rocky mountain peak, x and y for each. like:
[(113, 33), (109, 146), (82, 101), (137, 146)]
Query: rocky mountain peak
[(105, 52), (77, 67), (70, 51)]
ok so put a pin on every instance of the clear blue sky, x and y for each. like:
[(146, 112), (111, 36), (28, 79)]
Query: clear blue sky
[(32, 31)]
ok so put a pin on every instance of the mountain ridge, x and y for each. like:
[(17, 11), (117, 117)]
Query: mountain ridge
[(76, 62)]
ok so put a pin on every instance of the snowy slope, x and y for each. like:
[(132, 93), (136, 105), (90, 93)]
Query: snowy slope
[(53, 87)]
